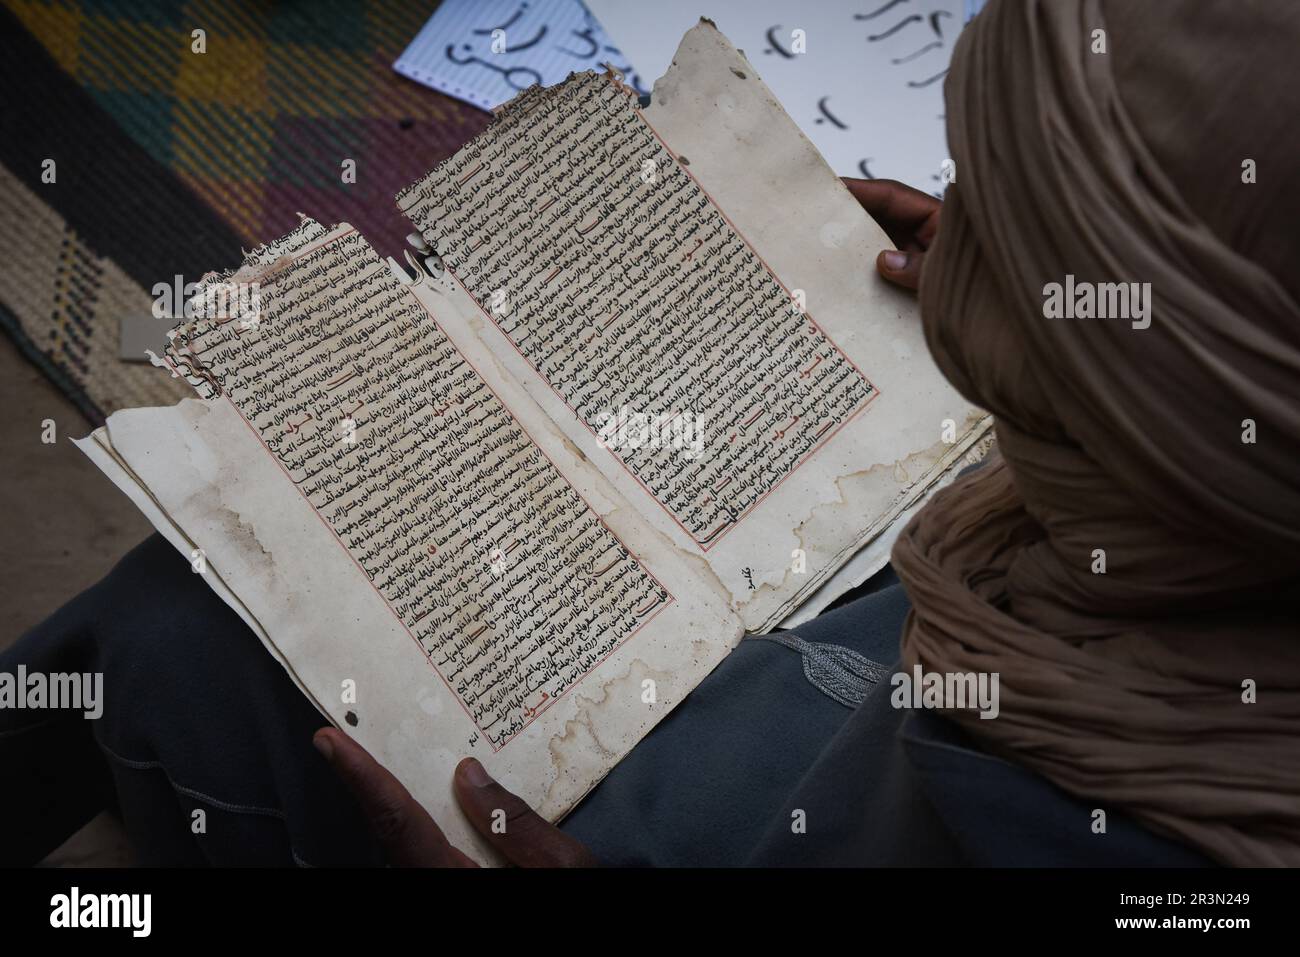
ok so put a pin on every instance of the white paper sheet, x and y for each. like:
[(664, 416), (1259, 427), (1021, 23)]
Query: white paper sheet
[(486, 51), (868, 90)]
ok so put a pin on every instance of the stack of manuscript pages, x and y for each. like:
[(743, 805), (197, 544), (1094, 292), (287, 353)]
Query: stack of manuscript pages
[(642, 393)]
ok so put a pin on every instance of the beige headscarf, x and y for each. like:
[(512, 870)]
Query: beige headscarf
[(1126, 688)]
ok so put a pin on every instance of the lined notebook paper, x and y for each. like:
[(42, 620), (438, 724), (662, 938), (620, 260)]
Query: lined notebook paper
[(486, 51)]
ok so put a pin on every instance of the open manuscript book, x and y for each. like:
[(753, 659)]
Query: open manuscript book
[(430, 494)]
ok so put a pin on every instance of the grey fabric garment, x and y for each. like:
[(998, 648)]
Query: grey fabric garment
[(838, 672), (757, 748), (705, 784)]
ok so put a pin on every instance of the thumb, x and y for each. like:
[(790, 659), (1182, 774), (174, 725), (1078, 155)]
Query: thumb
[(409, 836), (901, 268), (516, 830)]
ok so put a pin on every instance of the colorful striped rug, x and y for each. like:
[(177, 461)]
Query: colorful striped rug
[(168, 161)]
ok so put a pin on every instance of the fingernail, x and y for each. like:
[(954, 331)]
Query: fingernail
[(895, 261), (474, 774), (324, 745)]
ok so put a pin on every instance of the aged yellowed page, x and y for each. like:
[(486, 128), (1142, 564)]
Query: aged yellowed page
[(442, 575), (689, 292)]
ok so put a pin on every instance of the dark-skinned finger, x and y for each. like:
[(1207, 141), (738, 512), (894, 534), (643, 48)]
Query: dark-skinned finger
[(520, 833), (908, 216), (894, 201), (409, 836), (901, 268)]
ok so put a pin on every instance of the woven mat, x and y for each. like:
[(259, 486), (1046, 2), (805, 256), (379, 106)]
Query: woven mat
[(168, 162)]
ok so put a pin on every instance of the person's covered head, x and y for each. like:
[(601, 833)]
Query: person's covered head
[(1116, 278), (1138, 161)]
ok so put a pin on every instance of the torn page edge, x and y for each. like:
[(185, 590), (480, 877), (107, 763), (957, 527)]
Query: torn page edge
[(258, 264)]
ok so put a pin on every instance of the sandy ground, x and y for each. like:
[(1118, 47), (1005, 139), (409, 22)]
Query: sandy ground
[(65, 526), (65, 523)]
